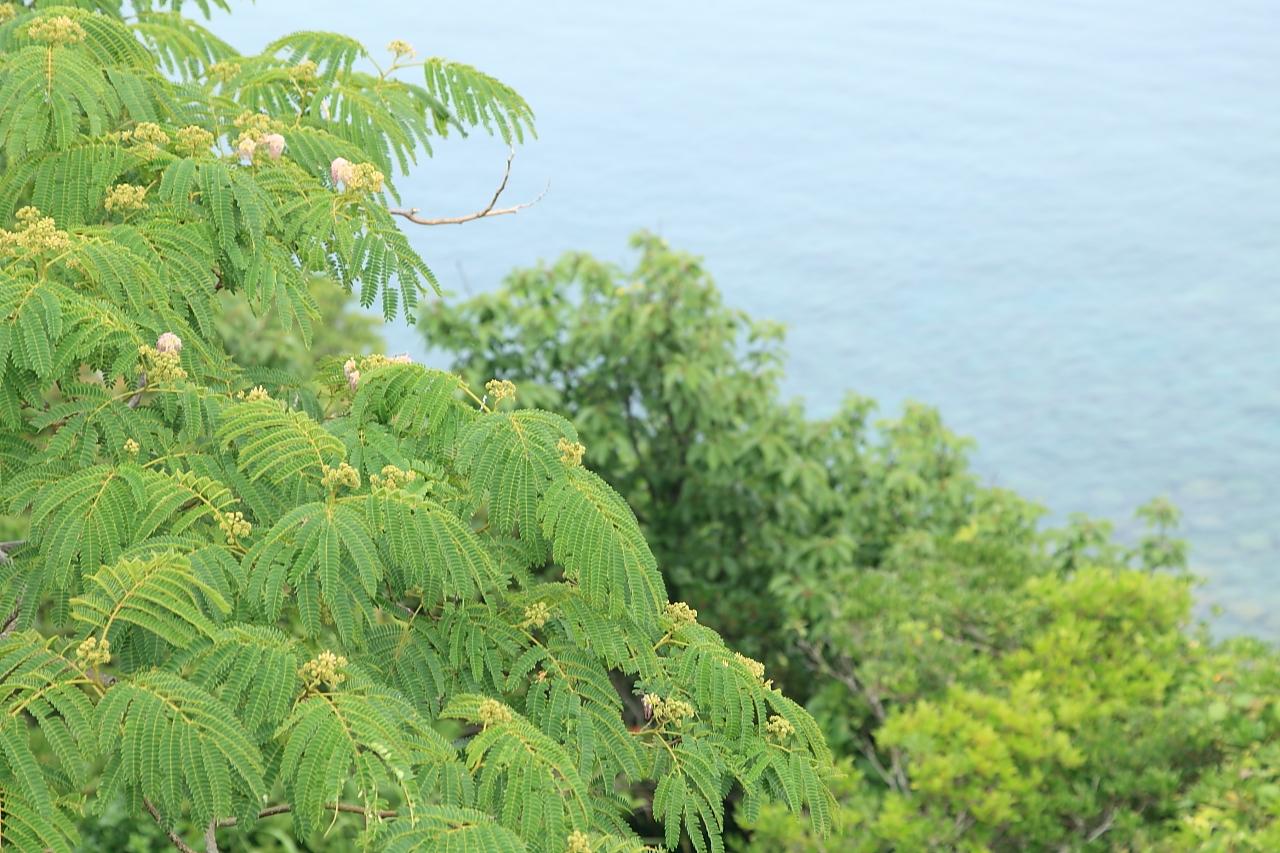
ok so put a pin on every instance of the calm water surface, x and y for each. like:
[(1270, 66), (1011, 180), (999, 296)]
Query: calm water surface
[(1060, 223)]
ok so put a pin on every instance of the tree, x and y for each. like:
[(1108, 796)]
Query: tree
[(376, 601), (988, 683), (678, 395)]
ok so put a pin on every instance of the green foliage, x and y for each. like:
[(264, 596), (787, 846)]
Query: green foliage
[(988, 683), (319, 597), (675, 396)]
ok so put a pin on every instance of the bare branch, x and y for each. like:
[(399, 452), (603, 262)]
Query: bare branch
[(211, 838), (846, 673), (284, 808), (1102, 828), (137, 398), (11, 620), (6, 628), (411, 214), (173, 836)]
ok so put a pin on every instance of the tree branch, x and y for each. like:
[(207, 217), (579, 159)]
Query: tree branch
[(12, 619), (142, 386), (1102, 828), (283, 808), (896, 775), (211, 838), (173, 836), (6, 628), (411, 214)]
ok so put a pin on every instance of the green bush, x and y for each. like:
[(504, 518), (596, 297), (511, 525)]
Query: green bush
[(991, 684)]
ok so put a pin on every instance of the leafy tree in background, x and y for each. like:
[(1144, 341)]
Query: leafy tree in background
[(991, 685), (374, 607), (679, 395)]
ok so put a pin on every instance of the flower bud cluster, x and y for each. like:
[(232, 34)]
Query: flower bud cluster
[(681, 614), (305, 73), (571, 451), (35, 233), (536, 615), (663, 711), (57, 30), (147, 137), (752, 666), (251, 121), (493, 712), (247, 145), (257, 133), (392, 478), (343, 475), (352, 370), (193, 139), (125, 197), (223, 71), (91, 652), (132, 447), (779, 728), (8, 12), (500, 389), (325, 668), (578, 842), (400, 47), (235, 527), (356, 176), (256, 394), (164, 362)]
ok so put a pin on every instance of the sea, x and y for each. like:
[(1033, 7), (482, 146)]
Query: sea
[(1057, 222)]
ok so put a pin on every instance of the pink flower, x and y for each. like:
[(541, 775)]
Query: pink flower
[(403, 358), (349, 367), (353, 380), (274, 143), (168, 342), (340, 171), (246, 148)]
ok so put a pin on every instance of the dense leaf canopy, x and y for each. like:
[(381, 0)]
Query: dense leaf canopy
[(383, 597)]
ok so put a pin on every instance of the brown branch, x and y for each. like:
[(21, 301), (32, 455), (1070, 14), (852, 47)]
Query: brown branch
[(211, 837), (6, 628), (896, 775), (284, 808), (137, 398), (173, 836), (11, 620), (411, 214)]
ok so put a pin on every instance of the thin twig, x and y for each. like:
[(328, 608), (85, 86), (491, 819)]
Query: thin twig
[(283, 808), (11, 620), (897, 773), (411, 214), (1101, 829), (137, 398), (173, 836)]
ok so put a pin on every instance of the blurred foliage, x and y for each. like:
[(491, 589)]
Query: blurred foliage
[(992, 684), (257, 339)]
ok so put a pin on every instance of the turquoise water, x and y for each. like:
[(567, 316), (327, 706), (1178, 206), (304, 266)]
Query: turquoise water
[(1060, 223)]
